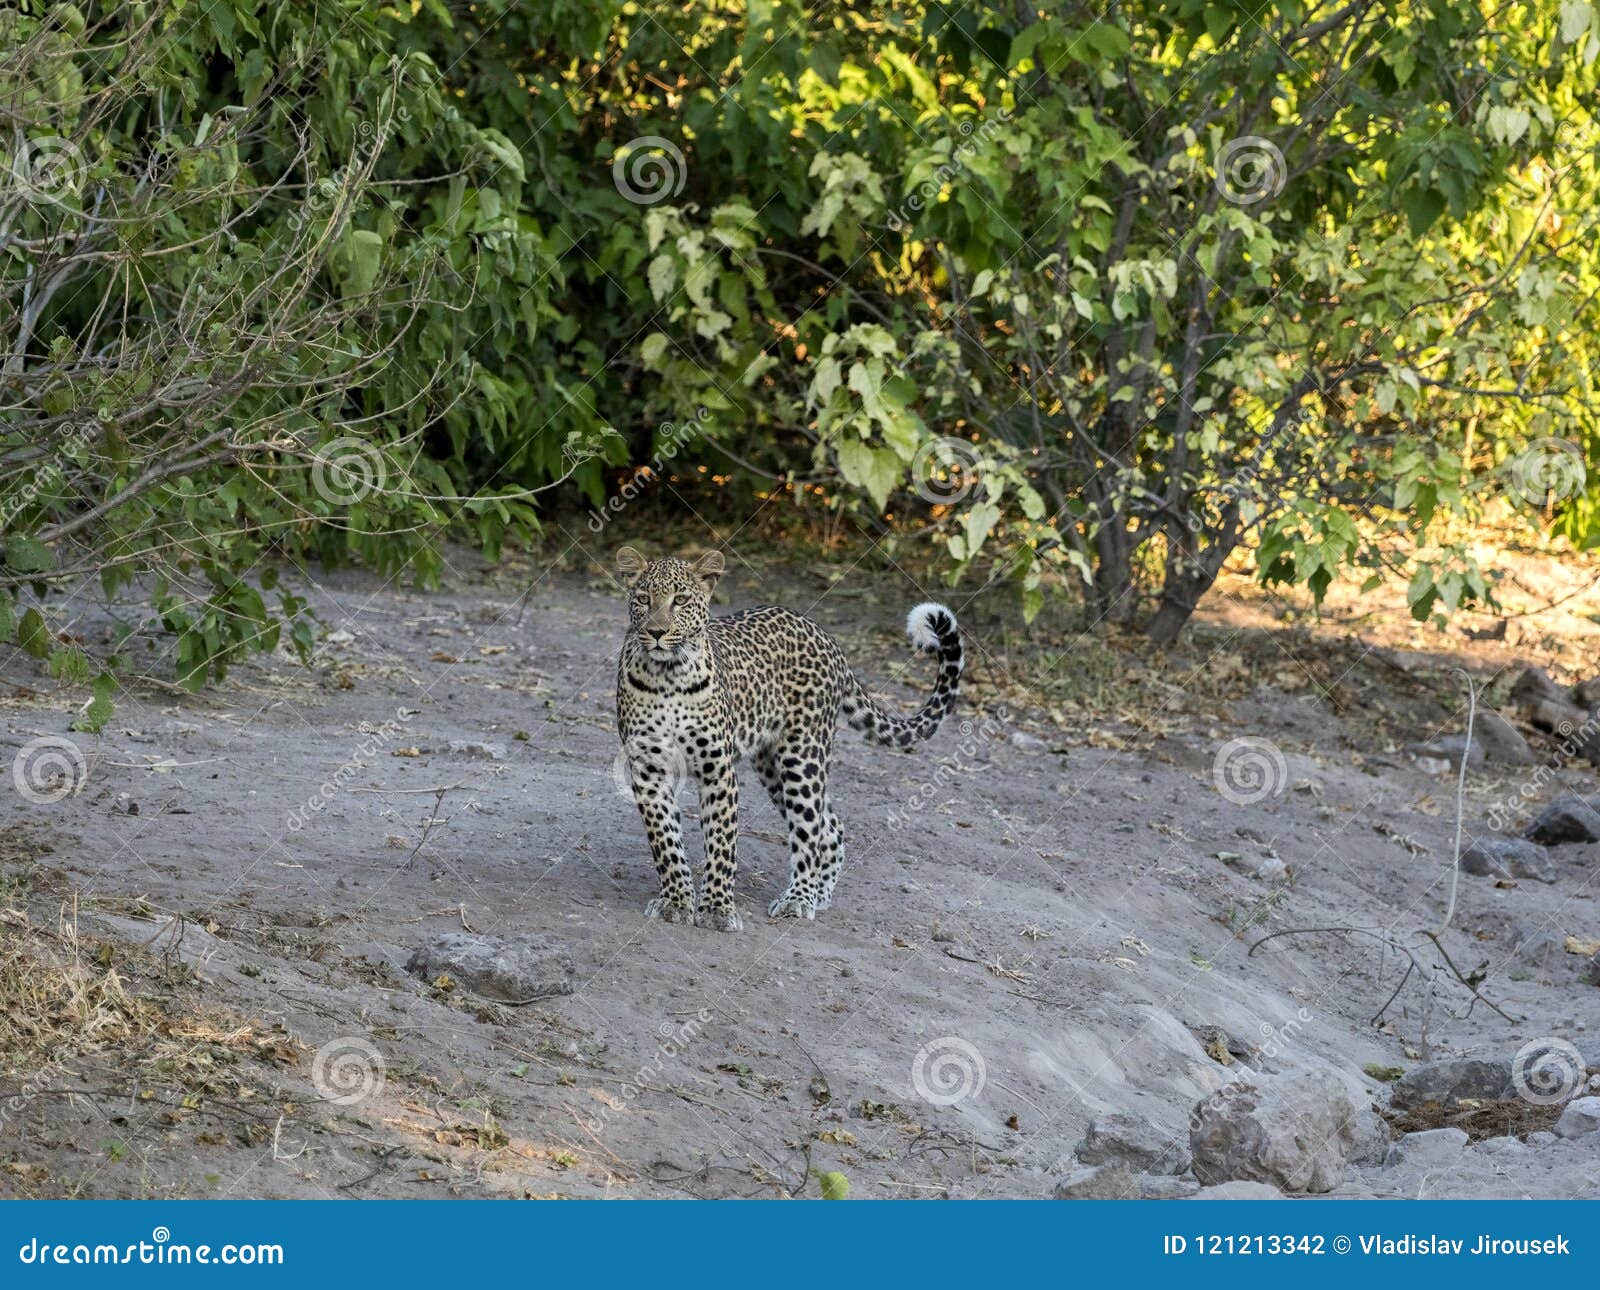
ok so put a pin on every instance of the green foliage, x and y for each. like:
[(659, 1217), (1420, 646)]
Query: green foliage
[(1094, 298)]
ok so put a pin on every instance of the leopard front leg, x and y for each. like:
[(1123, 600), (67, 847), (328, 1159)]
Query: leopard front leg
[(719, 820), (655, 791)]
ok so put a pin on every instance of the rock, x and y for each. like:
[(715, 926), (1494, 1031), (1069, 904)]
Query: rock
[(1587, 693), (1535, 686), (1502, 741), (1567, 819), (1241, 1190), (1022, 740), (1541, 1138), (1272, 869), (1435, 766), (1134, 1141), (1165, 1187), (1581, 1118), (1450, 1082), (1450, 750), (1508, 858), (1098, 1182), (497, 967), (1297, 1132), (1430, 1149), (475, 749), (1501, 1146)]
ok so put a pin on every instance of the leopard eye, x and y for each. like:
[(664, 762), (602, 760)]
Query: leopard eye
[(680, 599)]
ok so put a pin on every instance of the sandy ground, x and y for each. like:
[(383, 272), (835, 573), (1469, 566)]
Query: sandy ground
[(1039, 920)]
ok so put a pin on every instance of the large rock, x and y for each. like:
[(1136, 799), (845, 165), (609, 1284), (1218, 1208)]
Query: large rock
[(512, 969), (1449, 1083), (1508, 858), (1099, 1182), (1567, 819), (1297, 1132), (1501, 740), (1134, 1141), (1580, 1119)]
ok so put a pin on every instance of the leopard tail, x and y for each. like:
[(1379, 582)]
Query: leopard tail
[(932, 629)]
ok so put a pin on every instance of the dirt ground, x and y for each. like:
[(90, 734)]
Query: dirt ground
[(1046, 913)]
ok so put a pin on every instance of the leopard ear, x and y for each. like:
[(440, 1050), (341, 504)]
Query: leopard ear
[(630, 564), (708, 568)]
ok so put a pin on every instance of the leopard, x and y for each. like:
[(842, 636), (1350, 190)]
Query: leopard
[(698, 694)]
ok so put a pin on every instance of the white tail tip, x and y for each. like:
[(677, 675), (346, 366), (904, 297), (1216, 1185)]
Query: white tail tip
[(920, 624)]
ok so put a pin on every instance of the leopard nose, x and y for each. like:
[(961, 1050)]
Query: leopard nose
[(656, 633)]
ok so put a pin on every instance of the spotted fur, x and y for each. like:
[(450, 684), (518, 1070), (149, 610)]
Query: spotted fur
[(696, 693)]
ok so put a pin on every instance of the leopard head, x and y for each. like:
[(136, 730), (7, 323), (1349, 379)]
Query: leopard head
[(669, 601)]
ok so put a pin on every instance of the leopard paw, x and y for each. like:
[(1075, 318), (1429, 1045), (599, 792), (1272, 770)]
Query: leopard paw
[(725, 919), (668, 912), (793, 905)]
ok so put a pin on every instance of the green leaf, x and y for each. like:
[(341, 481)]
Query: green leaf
[(835, 1186)]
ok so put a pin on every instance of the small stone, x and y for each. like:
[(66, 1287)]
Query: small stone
[(1580, 1119), (1535, 686), (508, 968), (1429, 1149), (1022, 740), (1502, 741), (1450, 1082), (1450, 750), (1541, 1138), (478, 750), (1166, 1187), (1238, 1190), (1567, 819), (1508, 858), (1435, 766), (1098, 1182), (1135, 1141), (1587, 693)]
